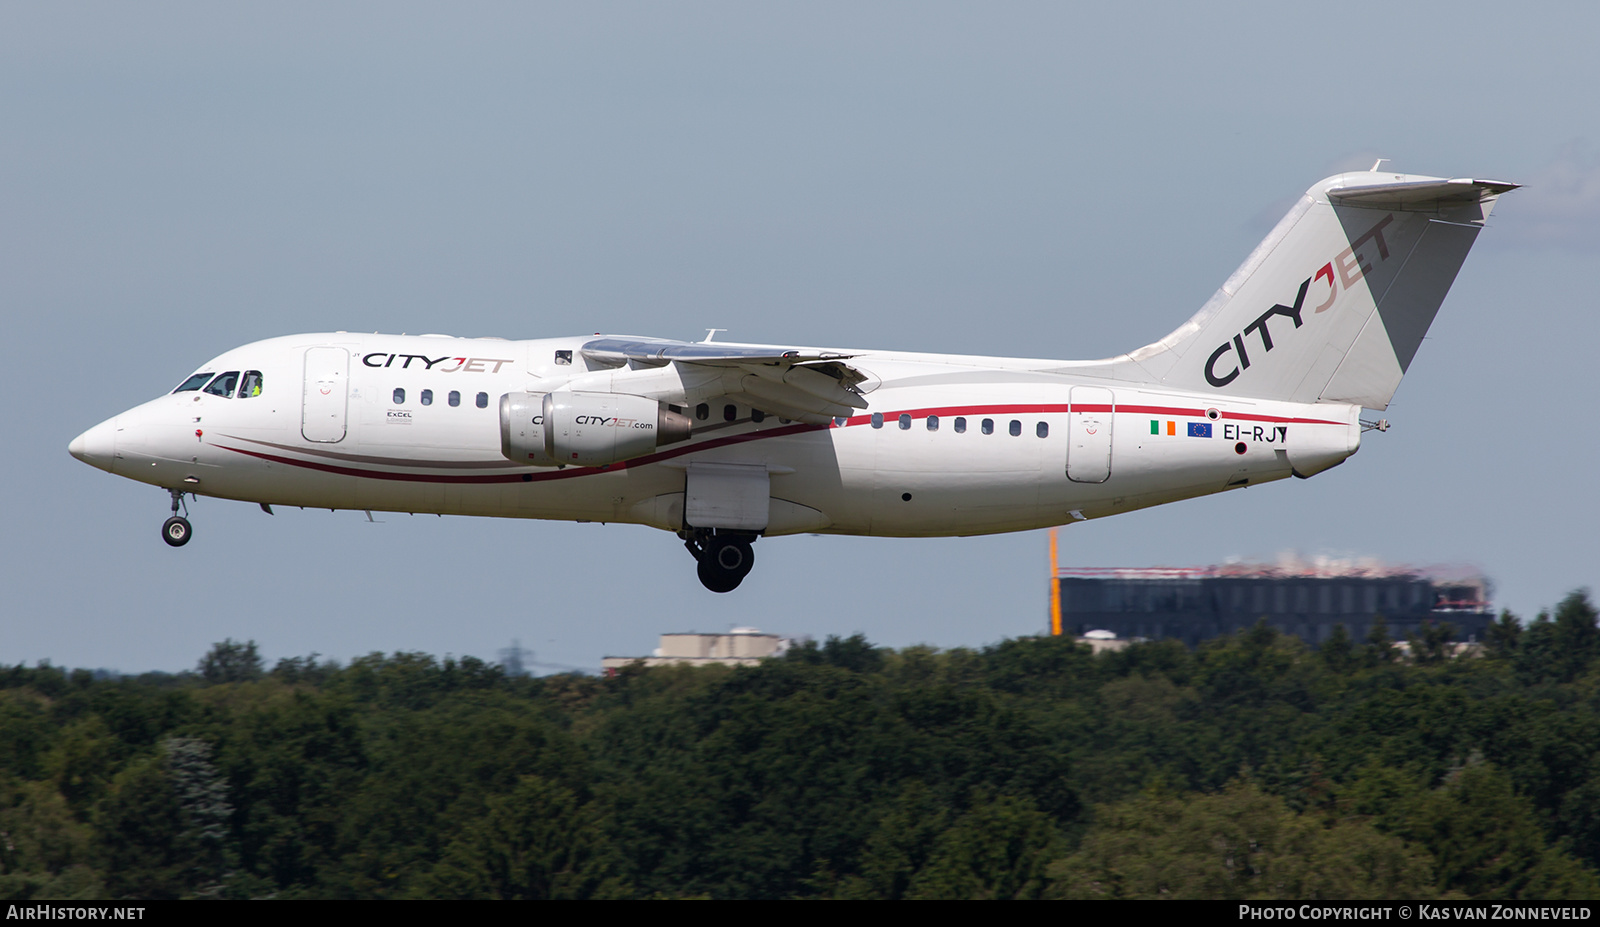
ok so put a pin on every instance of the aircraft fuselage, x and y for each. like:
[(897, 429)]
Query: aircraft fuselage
[(951, 445), (724, 443)]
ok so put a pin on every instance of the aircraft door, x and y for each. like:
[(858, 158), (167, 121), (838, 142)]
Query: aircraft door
[(728, 496), (323, 411), (1089, 434)]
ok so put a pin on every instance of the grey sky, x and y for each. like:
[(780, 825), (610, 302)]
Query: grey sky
[(1028, 179)]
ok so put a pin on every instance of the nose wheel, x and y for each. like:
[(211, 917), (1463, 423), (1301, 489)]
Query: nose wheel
[(176, 530), (724, 560)]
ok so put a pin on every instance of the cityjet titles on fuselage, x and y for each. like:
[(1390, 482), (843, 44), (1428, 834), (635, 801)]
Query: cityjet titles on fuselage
[(457, 364), (609, 421)]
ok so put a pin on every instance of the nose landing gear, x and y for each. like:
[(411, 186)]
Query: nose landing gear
[(725, 559), (176, 530)]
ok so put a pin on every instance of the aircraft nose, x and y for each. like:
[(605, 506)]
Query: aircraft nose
[(96, 447)]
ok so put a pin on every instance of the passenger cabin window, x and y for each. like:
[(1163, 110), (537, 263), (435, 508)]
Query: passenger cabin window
[(426, 397), (1016, 428), (399, 396), (961, 424), (702, 411), (1042, 430), (194, 382), (563, 358), (933, 423), (877, 419), (905, 421), (455, 398), (757, 416), (483, 400), (988, 426), (223, 385), (251, 387), (730, 413)]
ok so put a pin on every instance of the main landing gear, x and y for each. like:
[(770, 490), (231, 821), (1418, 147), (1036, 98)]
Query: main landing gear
[(176, 530), (725, 559)]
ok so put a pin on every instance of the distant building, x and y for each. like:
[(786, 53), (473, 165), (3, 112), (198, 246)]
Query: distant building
[(1306, 599), (1100, 641), (738, 647)]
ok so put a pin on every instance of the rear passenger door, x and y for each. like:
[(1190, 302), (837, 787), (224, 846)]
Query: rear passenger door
[(1089, 434)]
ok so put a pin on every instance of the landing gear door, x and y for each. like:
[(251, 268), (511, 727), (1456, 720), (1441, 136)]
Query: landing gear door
[(727, 496), (1089, 434), (322, 417)]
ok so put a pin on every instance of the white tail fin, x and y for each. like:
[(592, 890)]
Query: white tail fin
[(1333, 304)]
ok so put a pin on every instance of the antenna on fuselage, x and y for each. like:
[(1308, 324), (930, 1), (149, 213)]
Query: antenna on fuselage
[(712, 333)]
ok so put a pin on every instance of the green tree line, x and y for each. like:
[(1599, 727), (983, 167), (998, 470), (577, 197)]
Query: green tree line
[(1251, 767)]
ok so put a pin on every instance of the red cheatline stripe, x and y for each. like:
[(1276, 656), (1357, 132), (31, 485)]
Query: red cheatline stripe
[(1278, 419), (798, 428), (1200, 413), (1087, 407), (525, 477), (403, 477), (498, 463)]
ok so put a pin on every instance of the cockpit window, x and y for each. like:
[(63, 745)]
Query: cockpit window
[(194, 382), (251, 387), (224, 383)]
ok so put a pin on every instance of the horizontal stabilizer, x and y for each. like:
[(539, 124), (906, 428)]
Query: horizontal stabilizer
[(1428, 195)]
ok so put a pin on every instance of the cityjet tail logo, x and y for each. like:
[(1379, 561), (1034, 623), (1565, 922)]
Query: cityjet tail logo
[(455, 364), (1344, 270)]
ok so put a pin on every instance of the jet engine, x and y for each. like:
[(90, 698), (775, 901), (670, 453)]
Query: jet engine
[(585, 429)]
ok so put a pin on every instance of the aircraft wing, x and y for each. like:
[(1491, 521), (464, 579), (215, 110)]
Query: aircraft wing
[(807, 386)]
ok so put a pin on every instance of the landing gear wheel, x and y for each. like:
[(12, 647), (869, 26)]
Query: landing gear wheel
[(724, 563), (176, 531)]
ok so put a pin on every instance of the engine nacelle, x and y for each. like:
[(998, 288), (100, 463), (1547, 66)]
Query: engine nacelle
[(585, 429)]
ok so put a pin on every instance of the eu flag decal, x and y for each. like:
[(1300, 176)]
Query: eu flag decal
[(1199, 429)]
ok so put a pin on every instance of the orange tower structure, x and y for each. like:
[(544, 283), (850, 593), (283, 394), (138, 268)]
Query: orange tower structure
[(1055, 589)]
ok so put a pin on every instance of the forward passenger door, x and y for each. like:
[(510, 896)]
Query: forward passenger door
[(325, 405)]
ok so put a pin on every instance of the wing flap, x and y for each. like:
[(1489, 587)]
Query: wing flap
[(804, 385), (781, 382), (779, 409)]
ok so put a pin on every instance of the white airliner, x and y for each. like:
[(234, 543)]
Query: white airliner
[(726, 443)]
